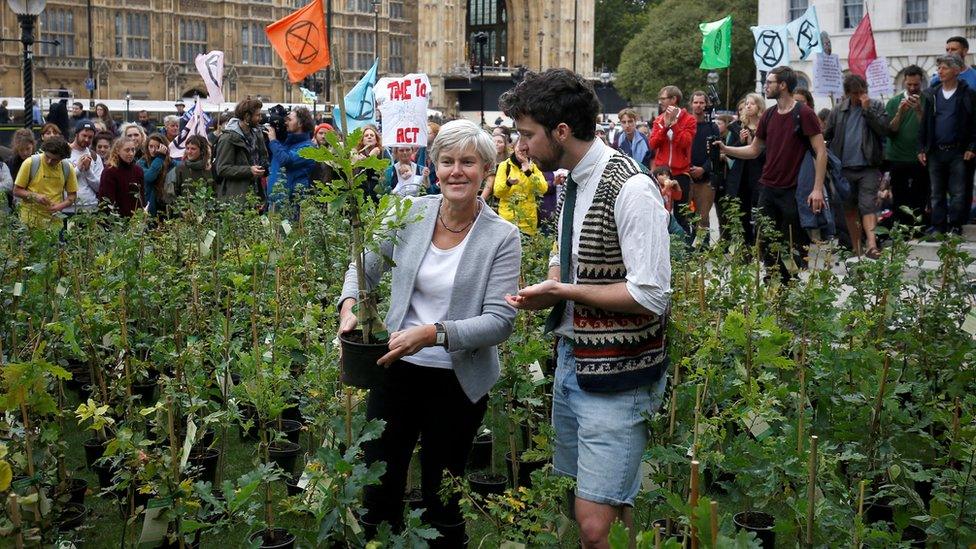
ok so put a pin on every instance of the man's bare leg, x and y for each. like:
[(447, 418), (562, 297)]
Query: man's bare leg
[(595, 520)]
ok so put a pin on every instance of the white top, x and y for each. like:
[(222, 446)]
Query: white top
[(431, 297), (948, 93), (88, 180), (642, 227), (409, 186)]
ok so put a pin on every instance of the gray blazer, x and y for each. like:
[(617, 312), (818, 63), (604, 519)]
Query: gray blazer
[(478, 317)]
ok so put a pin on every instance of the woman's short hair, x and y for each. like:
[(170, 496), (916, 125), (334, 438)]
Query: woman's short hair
[(202, 144), (461, 134), (171, 119), (22, 138), (129, 125), (50, 126), (950, 60)]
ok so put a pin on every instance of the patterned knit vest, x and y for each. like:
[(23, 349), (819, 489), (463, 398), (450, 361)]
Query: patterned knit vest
[(614, 351)]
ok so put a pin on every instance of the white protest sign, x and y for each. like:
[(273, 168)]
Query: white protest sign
[(879, 79), (403, 103), (827, 76)]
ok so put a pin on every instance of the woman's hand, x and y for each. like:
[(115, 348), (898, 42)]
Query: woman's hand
[(538, 296), (407, 342)]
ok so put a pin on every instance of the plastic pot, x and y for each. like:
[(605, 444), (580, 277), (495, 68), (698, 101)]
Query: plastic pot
[(525, 469), (358, 366), (72, 515), (878, 511), (915, 536), (146, 391), (480, 455), (414, 499), (105, 474), (758, 522), (94, 450), (75, 490), (285, 454), (291, 486), (206, 460), (290, 428), (279, 538), (485, 483), (80, 383)]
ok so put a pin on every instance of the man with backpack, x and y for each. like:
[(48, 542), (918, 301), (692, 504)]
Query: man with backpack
[(46, 184), (784, 155)]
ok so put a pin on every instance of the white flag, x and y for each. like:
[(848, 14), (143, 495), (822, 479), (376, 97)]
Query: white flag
[(211, 68), (196, 125), (805, 29), (772, 47)]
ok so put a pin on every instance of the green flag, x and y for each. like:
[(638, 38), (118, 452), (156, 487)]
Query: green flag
[(716, 43)]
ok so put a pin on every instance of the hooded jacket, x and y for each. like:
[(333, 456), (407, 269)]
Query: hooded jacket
[(285, 157), (236, 151)]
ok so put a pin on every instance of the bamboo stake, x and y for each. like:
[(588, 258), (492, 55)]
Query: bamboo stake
[(657, 538), (694, 435), (812, 489), (714, 509), (124, 334), (860, 513), (801, 402), (13, 505), (694, 503)]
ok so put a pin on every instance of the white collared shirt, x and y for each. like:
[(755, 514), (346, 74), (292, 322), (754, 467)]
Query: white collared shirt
[(642, 228)]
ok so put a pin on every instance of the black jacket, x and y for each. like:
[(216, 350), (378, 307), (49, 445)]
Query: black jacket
[(966, 124)]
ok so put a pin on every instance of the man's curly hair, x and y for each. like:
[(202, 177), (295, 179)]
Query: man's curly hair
[(553, 97)]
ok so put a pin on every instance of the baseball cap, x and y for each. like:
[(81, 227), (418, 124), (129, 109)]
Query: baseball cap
[(85, 125), (180, 102)]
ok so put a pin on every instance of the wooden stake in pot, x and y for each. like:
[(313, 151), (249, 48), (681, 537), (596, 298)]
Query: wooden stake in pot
[(13, 505), (860, 513), (694, 503), (714, 517), (812, 489)]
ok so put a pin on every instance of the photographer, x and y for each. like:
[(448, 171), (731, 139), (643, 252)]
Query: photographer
[(294, 184), (240, 155)]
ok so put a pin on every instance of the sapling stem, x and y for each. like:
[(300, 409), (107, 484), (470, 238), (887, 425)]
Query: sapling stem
[(348, 391), (879, 401), (124, 335), (701, 283), (860, 513), (801, 401), (28, 449), (512, 445), (811, 489), (13, 505), (693, 499), (713, 506)]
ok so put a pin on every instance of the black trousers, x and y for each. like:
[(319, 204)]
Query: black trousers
[(780, 206), (909, 188), (429, 404)]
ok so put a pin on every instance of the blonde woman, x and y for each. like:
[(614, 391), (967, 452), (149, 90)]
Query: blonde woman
[(743, 175), (122, 182), (134, 131)]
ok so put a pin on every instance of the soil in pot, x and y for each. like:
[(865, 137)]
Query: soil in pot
[(525, 469), (485, 483), (758, 522), (279, 538), (72, 515), (290, 428), (205, 459), (359, 368), (285, 455), (480, 456), (94, 449), (915, 536)]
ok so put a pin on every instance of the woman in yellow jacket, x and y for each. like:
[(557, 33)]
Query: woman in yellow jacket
[(518, 183)]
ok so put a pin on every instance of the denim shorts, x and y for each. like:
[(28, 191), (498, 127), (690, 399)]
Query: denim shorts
[(600, 437)]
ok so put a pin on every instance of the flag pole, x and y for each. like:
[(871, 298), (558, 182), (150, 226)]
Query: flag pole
[(728, 85)]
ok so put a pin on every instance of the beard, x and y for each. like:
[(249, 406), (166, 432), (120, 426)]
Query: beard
[(549, 162), (774, 94)]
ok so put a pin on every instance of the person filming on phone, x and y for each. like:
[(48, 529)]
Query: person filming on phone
[(909, 179)]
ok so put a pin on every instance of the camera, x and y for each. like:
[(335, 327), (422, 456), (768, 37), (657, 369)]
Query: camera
[(276, 119)]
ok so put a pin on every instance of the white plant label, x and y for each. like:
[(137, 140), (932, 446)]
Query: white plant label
[(536, 371), (969, 325), (264, 221), (647, 471), (191, 435), (756, 425), (18, 289), (207, 243), (153, 528), (60, 289), (286, 226)]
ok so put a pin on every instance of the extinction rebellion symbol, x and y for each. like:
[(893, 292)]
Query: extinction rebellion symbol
[(718, 43), (303, 39), (770, 47), (809, 38)]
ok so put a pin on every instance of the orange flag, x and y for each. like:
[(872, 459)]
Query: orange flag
[(301, 41)]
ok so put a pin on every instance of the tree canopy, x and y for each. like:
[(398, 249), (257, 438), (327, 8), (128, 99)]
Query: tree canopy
[(667, 49), (615, 23)]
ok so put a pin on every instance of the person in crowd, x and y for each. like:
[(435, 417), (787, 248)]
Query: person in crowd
[(631, 142), (180, 108), (424, 159), (23, 146), (502, 151), (909, 179), (323, 171), (547, 205), (451, 273), (784, 154), (240, 155), (102, 145), (78, 114), (321, 131), (4, 112), (134, 132), (608, 286), (122, 186), (6, 190), (613, 133), (822, 115), (670, 190), (57, 114), (958, 45), (105, 116), (88, 167), (155, 164), (171, 127), (46, 184), (50, 130), (947, 139), (518, 185), (702, 186), (148, 126), (191, 174), (291, 187), (219, 122), (856, 129), (371, 144), (645, 130), (742, 176), (404, 177), (601, 133), (671, 138), (804, 97)]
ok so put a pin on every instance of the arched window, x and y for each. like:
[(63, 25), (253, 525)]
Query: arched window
[(488, 16)]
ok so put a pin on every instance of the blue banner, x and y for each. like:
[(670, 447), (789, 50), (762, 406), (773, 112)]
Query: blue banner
[(360, 103)]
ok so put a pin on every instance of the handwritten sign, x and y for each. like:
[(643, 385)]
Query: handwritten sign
[(827, 76), (403, 103), (879, 79)]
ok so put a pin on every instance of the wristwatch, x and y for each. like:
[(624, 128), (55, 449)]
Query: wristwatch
[(441, 337)]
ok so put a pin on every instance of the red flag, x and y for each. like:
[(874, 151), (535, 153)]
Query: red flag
[(861, 51), (300, 40)]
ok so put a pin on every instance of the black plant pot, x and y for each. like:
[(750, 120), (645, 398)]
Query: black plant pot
[(485, 483), (290, 428), (105, 474), (414, 499), (878, 511), (80, 383), (75, 490), (146, 391), (279, 538), (525, 469), (718, 481), (915, 536), (924, 490), (285, 454), (94, 449), (293, 413), (72, 515), (758, 522), (291, 486), (206, 460), (252, 433), (673, 533), (480, 455), (358, 364)]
